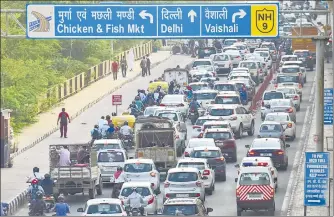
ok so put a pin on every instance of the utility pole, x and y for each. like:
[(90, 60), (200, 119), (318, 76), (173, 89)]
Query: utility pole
[(319, 98)]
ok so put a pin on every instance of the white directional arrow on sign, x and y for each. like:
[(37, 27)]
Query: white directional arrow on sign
[(143, 14), (241, 14), (192, 14)]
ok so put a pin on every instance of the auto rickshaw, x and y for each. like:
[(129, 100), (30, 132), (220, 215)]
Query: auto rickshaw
[(154, 85), (119, 120)]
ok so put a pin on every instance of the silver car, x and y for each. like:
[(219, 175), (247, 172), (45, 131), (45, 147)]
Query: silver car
[(283, 105), (223, 63), (271, 129)]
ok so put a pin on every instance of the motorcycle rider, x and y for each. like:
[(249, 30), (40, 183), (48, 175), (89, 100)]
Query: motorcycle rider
[(194, 106), (189, 93), (110, 131), (95, 133), (126, 130), (136, 201), (134, 109), (61, 208), (139, 103), (120, 178), (37, 205), (36, 175), (34, 188), (47, 185), (171, 87)]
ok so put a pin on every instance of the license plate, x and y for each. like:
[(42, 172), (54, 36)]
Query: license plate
[(266, 154), (182, 195), (255, 196), (108, 169)]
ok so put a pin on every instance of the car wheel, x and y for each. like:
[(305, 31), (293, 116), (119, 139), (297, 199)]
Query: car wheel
[(305, 80), (209, 191), (293, 137), (239, 211), (223, 177), (240, 131), (298, 108), (251, 131), (213, 187), (285, 167), (234, 158)]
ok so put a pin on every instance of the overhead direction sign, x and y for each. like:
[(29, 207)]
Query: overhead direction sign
[(123, 21), (316, 178), (328, 106)]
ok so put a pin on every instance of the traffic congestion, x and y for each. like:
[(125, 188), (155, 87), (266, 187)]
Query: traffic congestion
[(213, 135)]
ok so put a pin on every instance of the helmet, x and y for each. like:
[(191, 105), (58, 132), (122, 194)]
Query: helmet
[(138, 90), (61, 198), (137, 98), (125, 123), (35, 170), (119, 168), (133, 102), (34, 182), (178, 66), (108, 117), (96, 126), (47, 176)]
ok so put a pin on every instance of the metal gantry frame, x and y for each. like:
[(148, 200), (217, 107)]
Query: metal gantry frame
[(9, 14)]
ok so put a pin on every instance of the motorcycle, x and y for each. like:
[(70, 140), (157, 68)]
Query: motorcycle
[(33, 212), (133, 211), (49, 202), (127, 141), (193, 116)]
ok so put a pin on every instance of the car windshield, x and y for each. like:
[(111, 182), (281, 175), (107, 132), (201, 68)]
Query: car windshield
[(198, 63), (198, 165), (218, 135), (229, 42), (183, 177), (287, 90), (270, 46), (196, 87), (250, 65), (171, 116), (114, 156), (205, 52), (301, 53), (150, 111), (273, 95), (283, 79), (270, 128), (173, 99), (200, 122), (104, 209), (289, 58), (277, 118), (224, 87), (173, 210), (137, 168), (262, 54), (143, 191), (221, 58), (205, 154), (279, 103), (254, 179), (221, 112), (227, 100), (290, 70), (205, 96), (107, 146)]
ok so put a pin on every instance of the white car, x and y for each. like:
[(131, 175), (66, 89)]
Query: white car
[(283, 105), (291, 93), (202, 73), (108, 160), (228, 98), (291, 69), (240, 119), (223, 63), (297, 86), (197, 142), (204, 168), (242, 76), (150, 110), (196, 86), (259, 162), (145, 190), (140, 170), (103, 207), (172, 114), (176, 101), (272, 49), (205, 97), (300, 64), (267, 96), (108, 144), (184, 183), (235, 57), (225, 86), (216, 125), (265, 53), (229, 42), (254, 69), (242, 47), (286, 121), (287, 58), (202, 62), (197, 127)]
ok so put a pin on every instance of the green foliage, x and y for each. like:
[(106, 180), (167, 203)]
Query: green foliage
[(30, 67)]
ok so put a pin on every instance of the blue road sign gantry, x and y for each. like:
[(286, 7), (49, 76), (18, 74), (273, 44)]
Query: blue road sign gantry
[(328, 106), (153, 21), (316, 178)]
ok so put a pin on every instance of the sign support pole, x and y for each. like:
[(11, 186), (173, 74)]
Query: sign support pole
[(319, 99), (116, 109), (305, 210)]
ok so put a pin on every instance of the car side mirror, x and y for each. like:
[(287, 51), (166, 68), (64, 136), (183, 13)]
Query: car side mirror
[(217, 79), (236, 180), (275, 179), (205, 178), (237, 166), (186, 155), (208, 210), (80, 210), (267, 106), (287, 145), (247, 146)]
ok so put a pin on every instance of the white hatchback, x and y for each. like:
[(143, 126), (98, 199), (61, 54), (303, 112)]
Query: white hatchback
[(178, 102), (103, 207), (197, 142)]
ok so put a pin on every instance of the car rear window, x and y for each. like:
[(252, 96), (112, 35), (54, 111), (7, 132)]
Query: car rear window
[(104, 209), (290, 70), (207, 51), (206, 154), (218, 135), (221, 58), (196, 87), (270, 46), (278, 118), (137, 167), (171, 116), (250, 65), (143, 191), (200, 122), (107, 146), (198, 165), (182, 177), (283, 79), (114, 156), (174, 210), (254, 179), (270, 128), (302, 54), (205, 96), (262, 54), (289, 58), (198, 63), (227, 100), (221, 112), (216, 126), (273, 95), (225, 87), (279, 103)]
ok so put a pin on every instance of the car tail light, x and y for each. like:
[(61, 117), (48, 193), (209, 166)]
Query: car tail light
[(296, 97), (279, 152), (252, 153), (310, 57), (220, 159), (186, 153), (289, 125), (199, 184), (166, 185), (151, 200), (152, 174), (162, 105), (167, 195), (206, 172), (276, 85), (229, 144), (196, 127), (180, 105), (233, 118), (198, 195), (238, 57), (289, 110), (263, 164), (272, 192), (200, 135)]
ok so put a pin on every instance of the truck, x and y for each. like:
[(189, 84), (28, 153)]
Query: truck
[(80, 175), (156, 140), (304, 44), (178, 75)]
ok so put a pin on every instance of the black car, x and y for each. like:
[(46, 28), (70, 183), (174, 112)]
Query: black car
[(306, 57)]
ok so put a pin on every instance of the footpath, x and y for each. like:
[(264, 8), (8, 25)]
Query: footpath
[(12, 181), (296, 202)]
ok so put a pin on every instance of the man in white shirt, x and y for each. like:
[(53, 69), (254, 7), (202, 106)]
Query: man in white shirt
[(64, 157), (102, 122), (135, 200), (126, 130)]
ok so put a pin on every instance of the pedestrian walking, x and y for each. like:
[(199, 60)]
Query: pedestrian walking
[(114, 67), (64, 119), (124, 66), (148, 64), (143, 66)]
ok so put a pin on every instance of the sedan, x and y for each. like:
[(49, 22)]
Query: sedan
[(283, 105), (235, 57), (196, 86), (205, 97), (271, 129), (223, 63), (285, 120), (291, 93), (176, 101)]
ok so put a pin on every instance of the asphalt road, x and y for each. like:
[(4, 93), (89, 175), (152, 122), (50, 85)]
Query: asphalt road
[(223, 199)]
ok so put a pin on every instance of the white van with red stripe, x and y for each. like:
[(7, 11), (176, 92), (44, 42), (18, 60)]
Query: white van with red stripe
[(255, 190)]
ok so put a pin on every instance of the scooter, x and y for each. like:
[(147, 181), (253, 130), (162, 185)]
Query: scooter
[(49, 202), (193, 116)]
